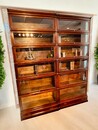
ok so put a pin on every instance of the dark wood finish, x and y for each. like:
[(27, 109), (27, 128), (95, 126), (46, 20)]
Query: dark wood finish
[(73, 58), (50, 59)]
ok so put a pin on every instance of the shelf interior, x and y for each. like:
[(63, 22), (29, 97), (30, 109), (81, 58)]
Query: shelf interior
[(36, 85), (35, 69), (72, 92), (72, 78), (25, 22), (38, 100)]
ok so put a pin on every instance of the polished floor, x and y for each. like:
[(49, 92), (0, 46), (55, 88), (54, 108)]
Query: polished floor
[(79, 117)]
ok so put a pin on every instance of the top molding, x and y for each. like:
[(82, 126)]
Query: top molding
[(49, 13)]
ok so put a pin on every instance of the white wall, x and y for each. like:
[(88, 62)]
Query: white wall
[(6, 93), (79, 6)]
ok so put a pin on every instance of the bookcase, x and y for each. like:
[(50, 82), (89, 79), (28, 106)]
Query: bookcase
[(51, 59)]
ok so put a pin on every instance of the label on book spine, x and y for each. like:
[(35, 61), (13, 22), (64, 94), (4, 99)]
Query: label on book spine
[(72, 65)]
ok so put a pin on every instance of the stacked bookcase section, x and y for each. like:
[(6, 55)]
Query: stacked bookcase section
[(51, 53)]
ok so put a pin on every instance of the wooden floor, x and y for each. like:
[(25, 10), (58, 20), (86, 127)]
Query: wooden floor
[(80, 117)]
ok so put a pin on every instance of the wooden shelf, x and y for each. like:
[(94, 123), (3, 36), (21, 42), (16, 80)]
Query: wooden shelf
[(73, 71), (28, 91), (31, 62), (73, 101), (37, 103), (37, 100), (73, 44), (29, 45), (72, 92), (33, 30), (40, 109), (74, 83), (73, 31), (35, 76), (73, 58)]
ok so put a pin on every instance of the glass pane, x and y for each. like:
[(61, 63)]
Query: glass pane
[(36, 85), (38, 100), (72, 78), (68, 51), (72, 65), (75, 38), (30, 23), (75, 25), (27, 54), (35, 69), (72, 92), (33, 38)]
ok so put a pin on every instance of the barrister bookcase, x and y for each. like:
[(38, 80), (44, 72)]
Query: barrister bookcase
[(51, 59)]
